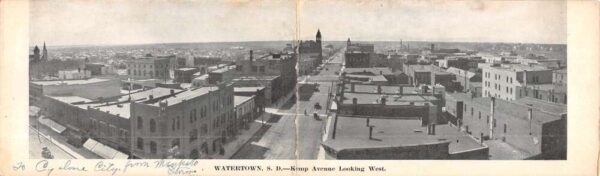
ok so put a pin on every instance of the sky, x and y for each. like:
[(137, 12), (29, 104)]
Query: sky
[(87, 22)]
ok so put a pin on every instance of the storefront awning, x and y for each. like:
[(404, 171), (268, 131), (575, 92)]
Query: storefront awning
[(52, 124), (103, 151)]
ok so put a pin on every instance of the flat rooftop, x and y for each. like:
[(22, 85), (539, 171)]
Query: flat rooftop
[(70, 82), (238, 100), (247, 89), (517, 109), (519, 67), (223, 69), (352, 133), (365, 98), (362, 88), (373, 70), (186, 69)]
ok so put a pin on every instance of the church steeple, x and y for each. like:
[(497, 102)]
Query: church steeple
[(318, 34), (44, 52), (348, 43)]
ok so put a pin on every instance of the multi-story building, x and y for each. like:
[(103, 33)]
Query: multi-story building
[(99, 69), (428, 74), (311, 50), (94, 88), (282, 65), (394, 122), (74, 74), (149, 67), (187, 124), (534, 129), (559, 76), (221, 74), (503, 81), (357, 59), (245, 111), (185, 75)]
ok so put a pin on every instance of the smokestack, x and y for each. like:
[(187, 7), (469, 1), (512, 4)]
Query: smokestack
[(491, 120), (251, 57)]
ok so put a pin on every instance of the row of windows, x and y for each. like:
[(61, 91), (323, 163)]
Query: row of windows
[(144, 73), (146, 66), (105, 129)]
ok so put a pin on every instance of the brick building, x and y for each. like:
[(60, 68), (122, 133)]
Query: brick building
[(535, 128), (149, 67)]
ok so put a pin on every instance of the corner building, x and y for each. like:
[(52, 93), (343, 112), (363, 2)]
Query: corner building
[(189, 124)]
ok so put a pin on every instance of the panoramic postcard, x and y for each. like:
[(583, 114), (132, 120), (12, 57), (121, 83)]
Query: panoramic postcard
[(288, 80)]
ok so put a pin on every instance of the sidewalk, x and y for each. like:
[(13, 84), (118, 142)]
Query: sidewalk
[(232, 147), (58, 144), (61, 141), (321, 155)]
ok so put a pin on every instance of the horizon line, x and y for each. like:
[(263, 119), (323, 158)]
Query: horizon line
[(290, 41)]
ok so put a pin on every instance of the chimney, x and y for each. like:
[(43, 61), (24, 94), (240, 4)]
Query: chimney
[(172, 92), (370, 132), (351, 87), (433, 129), (383, 100), (368, 120), (380, 72), (400, 90), (378, 89), (491, 120), (150, 97), (251, 57), (432, 47), (355, 107)]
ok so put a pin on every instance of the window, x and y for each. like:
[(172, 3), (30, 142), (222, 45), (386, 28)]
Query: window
[(152, 147), (152, 125), (204, 129), (140, 122), (178, 123), (193, 135), (173, 125), (471, 111), (140, 143)]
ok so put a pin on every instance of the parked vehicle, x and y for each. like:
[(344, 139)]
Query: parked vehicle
[(46, 153), (317, 105)]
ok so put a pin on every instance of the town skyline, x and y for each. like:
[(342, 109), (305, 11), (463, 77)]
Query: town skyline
[(100, 23)]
